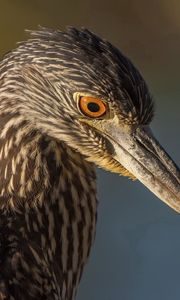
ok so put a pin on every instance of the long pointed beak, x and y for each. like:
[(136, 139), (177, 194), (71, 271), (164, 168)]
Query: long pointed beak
[(141, 154)]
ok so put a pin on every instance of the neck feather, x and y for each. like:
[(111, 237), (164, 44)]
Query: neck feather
[(47, 211)]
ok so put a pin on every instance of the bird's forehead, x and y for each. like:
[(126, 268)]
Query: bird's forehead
[(83, 57), (92, 65), (80, 61)]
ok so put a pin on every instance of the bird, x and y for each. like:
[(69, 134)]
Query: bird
[(69, 101)]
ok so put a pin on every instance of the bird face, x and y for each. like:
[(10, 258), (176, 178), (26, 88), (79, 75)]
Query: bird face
[(133, 146), (98, 103)]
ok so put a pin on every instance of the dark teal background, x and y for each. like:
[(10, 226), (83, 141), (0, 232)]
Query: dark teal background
[(136, 255)]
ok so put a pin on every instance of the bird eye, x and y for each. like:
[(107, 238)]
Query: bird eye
[(92, 107)]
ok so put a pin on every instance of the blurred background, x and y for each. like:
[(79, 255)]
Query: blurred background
[(136, 255)]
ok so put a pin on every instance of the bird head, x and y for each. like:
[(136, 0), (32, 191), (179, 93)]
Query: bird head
[(80, 89)]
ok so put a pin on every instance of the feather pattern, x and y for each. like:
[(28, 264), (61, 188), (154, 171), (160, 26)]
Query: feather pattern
[(48, 204)]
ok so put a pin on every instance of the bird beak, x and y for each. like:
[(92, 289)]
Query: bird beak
[(141, 154)]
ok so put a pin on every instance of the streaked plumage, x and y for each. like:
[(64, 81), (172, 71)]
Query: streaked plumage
[(48, 150)]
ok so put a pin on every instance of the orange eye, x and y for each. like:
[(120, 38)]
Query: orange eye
[(92, 107)]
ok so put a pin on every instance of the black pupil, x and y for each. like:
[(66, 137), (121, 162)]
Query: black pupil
[(93, 107)]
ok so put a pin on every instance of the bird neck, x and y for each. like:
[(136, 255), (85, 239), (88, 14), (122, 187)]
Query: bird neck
[(32, 164), (20, 175), (48, 210)]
